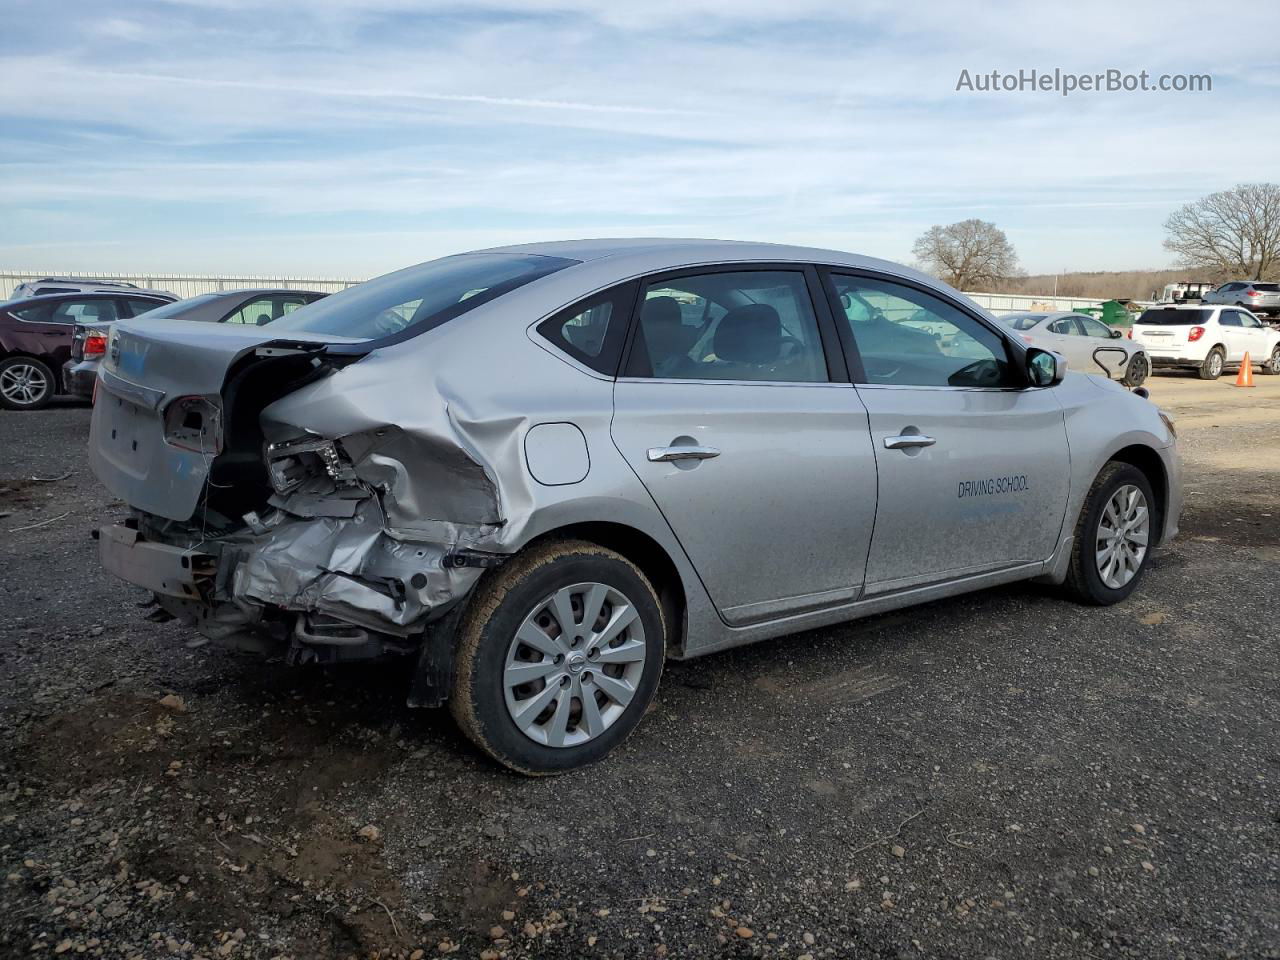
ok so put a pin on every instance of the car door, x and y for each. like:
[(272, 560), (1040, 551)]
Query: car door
[(1256, 337), (1103, 348), (1067, 340), (57, 330), (735, 411), (1232, 334), (972, 463)]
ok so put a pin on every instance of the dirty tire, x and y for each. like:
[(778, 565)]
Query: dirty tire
[(1271, 366), (1211, 367), (1084, 583), (1138, 370), (495, 612), (26, 384)]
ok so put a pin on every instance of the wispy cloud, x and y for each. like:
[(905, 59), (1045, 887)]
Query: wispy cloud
[(229, 136)]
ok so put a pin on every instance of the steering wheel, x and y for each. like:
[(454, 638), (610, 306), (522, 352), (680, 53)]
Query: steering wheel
[(980, 373)]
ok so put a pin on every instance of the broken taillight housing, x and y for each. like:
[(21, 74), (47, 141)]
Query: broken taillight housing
[(194, 423), (1194, 334), (292, 462)]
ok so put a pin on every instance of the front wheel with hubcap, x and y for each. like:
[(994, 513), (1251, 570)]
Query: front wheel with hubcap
[(1271, 366), (1211, 368), (559, 655), (1114, 536), (25, 384)]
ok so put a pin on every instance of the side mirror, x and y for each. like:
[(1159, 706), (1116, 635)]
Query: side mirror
[(1045, 369), (1116, 334)]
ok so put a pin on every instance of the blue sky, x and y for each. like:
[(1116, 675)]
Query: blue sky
[(352, 137)]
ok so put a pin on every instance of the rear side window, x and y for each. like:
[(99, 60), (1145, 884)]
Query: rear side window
[(36, 314), (750, 325), (1229, 318), (1023, 321), (84, 311), (593, 330), (1174, 318)]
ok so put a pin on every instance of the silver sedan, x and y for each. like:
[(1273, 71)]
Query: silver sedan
[(1087, 343), (535, 473)]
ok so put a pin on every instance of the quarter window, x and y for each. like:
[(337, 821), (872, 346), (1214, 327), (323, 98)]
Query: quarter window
[(911, 338), (591, 331), (756, 325)]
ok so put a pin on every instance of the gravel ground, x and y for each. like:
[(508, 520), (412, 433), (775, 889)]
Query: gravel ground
[(1001, 775)]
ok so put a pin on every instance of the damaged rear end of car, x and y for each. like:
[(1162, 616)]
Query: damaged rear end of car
[(277, 503)]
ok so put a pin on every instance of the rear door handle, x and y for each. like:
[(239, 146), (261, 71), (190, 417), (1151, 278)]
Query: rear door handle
[(908, 440), (668, 454)]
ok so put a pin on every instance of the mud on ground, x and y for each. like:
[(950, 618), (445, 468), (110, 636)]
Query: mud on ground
[(1001, 775)]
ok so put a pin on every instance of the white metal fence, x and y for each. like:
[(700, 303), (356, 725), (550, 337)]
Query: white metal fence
[(180, 285), (188, 285)]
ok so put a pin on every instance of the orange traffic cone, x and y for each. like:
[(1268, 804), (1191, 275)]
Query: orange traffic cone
[(1245, 377)]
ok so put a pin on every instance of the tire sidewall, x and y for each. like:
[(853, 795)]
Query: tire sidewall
[(1098, 591), (486, 697), (1205, 369), (50, 389), (1137, 378)]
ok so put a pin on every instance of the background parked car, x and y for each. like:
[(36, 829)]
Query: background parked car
[(252, 306), (36, 333), (1261, 298), (255, 307), (1076, 337), (36, 288), (1207, 339)]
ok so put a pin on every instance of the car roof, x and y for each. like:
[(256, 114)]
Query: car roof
[(678, 252), (161, 298)]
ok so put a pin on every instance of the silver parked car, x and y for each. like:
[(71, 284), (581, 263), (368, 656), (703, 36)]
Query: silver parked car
[(1087, 343), (536, 472), (1261, 298), (255, 305)]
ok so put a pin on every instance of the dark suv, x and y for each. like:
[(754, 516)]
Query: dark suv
[(35, 338)]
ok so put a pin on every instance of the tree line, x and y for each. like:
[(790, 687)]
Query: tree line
[(1230, 235)]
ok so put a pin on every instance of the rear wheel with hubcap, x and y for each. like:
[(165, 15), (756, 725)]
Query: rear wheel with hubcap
[(1211, 368), (25, 384), (559, 656), (1114, 536)]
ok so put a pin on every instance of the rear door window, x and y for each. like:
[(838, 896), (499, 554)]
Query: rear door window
[(84, 311), (748, 325)]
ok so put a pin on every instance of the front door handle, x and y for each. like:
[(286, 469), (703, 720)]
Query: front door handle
[(668, 454), (908, 440)]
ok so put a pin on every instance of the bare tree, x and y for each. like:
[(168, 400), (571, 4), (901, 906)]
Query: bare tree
[(1233, 234), (968, 255)]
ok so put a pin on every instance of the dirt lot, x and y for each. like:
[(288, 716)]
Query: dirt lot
[(1002, 775)]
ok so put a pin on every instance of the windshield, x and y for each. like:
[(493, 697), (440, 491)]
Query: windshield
[(1022, 321), (174, 311), (410, 301), (1174, 318)]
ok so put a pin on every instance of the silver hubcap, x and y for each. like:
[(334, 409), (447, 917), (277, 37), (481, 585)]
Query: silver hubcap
[(1215, 364), (1274, 362), (23, 383), (574, 665), (1123, 531)]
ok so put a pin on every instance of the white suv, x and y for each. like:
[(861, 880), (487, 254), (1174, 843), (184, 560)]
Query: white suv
[(1208, 339)]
